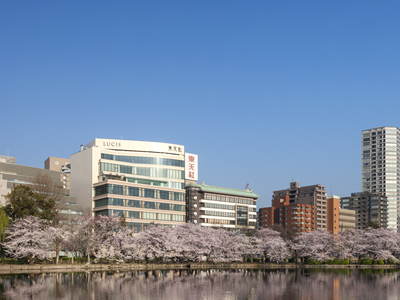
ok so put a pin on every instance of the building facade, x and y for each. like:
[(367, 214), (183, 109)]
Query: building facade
[(368, 207), (339, 219), (62, 165), (142, 181), (381, 168), (332, 214), (298, 218), (308, 195), (212, 206), (12, 174), (347, 219)]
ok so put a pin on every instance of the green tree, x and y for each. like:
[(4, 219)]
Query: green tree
[(22, 201), (4, 221), (372, 225)]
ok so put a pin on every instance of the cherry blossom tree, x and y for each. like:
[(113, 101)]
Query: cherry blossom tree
[(320, 245), (117, 244), (155, 241), (56, 237), (351, 244), (380, 243), (272, 245), (27, 237), (86, 237)]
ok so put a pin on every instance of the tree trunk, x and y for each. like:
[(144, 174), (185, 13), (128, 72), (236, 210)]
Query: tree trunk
[(72, 259), (88, 257)]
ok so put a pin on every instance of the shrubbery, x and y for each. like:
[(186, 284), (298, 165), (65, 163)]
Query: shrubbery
[(313, 262), (366, 261), (338, 261), (379, 262)]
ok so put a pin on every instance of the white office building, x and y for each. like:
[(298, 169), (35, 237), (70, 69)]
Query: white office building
[(381, 168), (142, 181)]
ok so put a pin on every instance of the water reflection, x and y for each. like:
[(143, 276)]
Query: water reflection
[(311, 284)]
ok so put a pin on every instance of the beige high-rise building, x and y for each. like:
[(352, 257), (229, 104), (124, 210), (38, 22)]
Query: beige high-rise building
[(381, 168), (311, 195)]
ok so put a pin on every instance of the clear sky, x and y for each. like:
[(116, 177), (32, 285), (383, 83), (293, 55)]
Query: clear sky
[(262, 91)]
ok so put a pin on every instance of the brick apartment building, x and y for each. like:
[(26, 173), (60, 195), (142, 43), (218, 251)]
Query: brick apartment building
[(314, 195), (297, 218)]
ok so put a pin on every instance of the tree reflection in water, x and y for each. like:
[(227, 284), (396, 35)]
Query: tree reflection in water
[(211, 285)]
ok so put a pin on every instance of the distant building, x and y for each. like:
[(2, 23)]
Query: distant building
[(212, 206), (339, 219), (298, 218), (380, 169), (12, 174), (314, 195), (62, 165), (369, 207), (347, 219)]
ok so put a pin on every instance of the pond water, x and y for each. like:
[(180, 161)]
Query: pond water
[(318, 284)]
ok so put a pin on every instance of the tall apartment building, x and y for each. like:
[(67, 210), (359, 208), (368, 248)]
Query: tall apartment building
[(212, 206), (381, 168), (144, 181), (369, 207), (297, 218), (309, 195)]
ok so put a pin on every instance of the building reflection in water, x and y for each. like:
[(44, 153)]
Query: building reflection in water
[(299, 284)]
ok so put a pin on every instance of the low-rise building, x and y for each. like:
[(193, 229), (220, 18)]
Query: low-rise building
[(12, 174), (213, 206), (347, 219)]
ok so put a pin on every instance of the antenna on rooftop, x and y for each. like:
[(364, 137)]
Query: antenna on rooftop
[(292, 179)]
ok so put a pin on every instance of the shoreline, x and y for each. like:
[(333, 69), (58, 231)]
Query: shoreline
[(69, 268)]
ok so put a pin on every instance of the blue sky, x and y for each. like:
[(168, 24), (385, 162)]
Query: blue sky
[(262, 91)]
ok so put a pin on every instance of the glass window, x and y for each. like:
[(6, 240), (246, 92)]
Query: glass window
[(136, 227), (133, 191), (164, 206), (149, 216), (241, 215), (149, 193), (178, 218), (165, 217), (178, 207), (179, 196), (147, 204), (134, 203), (134, 214), (164, 195)]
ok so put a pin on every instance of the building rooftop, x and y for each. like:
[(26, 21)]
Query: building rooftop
[(222, 190)]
